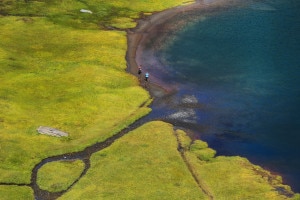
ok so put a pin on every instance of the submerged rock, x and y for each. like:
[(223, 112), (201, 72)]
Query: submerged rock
[(184, 115), (51, 131), (189, 99)]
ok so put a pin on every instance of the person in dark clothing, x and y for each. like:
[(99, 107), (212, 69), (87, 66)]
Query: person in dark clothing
[(146, 76), (139, 70)]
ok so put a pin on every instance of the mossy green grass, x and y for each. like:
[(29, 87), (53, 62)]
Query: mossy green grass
[(73, 80), (64, 69), (144, 164), (9, 192), (118, 14), (60, 175)]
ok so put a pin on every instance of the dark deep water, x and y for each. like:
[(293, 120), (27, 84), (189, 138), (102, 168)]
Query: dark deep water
[(238, 78)]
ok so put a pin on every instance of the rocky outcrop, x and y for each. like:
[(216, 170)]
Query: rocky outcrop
[(51, 131)]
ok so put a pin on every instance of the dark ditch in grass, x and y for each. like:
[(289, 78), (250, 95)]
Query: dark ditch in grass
[(197, 180), (83, 155)]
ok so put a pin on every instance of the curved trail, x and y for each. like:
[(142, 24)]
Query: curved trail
[(83, 155)]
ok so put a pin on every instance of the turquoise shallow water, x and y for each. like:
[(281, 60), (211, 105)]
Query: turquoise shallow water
[(242, 68)]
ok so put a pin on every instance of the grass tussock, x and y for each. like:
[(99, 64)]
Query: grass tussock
[(144, 164), (201, 150), (9, 192), (58, 176)]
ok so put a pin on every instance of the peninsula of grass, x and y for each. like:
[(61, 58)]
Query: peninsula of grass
[(231, 177), (60, 175), (146, 164)]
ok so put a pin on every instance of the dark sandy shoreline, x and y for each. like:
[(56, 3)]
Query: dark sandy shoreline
[(150, 27)]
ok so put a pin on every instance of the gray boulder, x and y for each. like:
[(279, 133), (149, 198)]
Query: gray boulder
[(86, 11), (51, 131)]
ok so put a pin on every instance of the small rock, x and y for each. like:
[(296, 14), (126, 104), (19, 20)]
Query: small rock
[(86, 11), (51, 131)]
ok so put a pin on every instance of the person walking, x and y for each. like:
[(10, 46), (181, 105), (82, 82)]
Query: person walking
[(146, 76), (139, 72), (146, 79)]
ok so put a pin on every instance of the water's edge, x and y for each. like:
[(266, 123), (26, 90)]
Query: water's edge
[(150, 27)]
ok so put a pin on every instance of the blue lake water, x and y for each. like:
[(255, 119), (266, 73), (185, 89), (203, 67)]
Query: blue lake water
[(242, 68)]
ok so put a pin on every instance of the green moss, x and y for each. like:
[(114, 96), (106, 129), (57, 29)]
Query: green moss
[(198, 145), (200, 148), (205, 154), (58, 176)]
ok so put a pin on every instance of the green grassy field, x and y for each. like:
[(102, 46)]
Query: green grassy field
[(10, 192), (58, 176), (66, 69), (144, 164), (69, 79), (61, 68)]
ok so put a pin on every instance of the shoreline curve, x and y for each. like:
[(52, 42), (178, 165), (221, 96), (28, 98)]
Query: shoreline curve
[(147, 27)]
